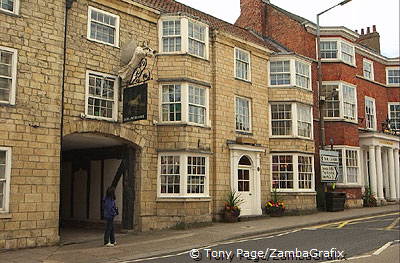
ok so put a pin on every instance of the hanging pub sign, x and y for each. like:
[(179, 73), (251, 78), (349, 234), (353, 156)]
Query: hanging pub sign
[(329, 166), (135, 103)]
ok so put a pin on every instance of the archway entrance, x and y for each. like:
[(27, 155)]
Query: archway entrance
[(90, 164)]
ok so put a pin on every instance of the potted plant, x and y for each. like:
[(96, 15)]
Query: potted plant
[(275, 207), (232, 209), (369, 199)]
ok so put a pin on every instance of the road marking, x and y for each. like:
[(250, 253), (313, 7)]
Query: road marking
[(351, 221), (381, 249), (393, 224), (343, 224)]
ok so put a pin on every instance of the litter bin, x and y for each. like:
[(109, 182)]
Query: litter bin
[(335, 201)]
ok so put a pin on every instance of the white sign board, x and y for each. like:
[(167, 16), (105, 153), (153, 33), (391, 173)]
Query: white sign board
[(329, 166)]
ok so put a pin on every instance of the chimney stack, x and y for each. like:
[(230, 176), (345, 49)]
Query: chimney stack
[(370, 39)]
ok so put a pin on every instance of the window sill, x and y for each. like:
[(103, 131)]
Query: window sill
[(10, 13), (7, 104), (183, 124), (183, 199), (182, 54), (337, 61), (290, 87), (88, 117), (243, 80), (291, 137), (339, 120), (104, 43), (5, 215), (249, 133)]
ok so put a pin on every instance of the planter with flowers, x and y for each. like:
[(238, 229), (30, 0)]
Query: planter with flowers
[(232, 209), (275, 207)]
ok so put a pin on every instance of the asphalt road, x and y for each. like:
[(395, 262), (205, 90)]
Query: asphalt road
[(323, 243)]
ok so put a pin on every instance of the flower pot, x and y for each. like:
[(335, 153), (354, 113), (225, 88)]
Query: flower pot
[(276, 212), (230, 217)]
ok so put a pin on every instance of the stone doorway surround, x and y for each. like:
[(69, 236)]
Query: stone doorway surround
[(380, 165), (237, 151)]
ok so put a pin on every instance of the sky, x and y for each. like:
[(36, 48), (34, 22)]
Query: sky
[(354, 15)]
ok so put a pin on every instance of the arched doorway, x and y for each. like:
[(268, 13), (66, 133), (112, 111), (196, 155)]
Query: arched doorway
[(245, 177), (91, 162)]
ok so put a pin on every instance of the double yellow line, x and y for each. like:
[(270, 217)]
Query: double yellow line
[(341, 224)]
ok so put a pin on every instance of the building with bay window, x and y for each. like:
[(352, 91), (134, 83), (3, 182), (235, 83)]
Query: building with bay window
[(361, 94)]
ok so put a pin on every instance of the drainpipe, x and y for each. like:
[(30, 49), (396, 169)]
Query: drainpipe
[(68, 6)]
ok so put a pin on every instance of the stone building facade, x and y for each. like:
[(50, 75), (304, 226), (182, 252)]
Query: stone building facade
[(216, 119), (361, 89)]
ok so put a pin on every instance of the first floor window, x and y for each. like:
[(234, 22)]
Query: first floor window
[(103, 26), (9, 5), (292, 172), (5, 170), (368, 69), (243, 121), (280, 72), (281, 118), (242, 59), (340, 101), (171, 39), (184, 102), (347, 53), (394, 116), (183, 174), (101, 95), (348, 166), (197, 38), (171, 103), (8, 59), (370, 114), (393, 76), (302, 75), (197, 104), (291, 119), (329, 49)]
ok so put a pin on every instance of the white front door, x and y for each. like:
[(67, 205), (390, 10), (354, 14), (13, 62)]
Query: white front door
[(246, 181), (245, 187)]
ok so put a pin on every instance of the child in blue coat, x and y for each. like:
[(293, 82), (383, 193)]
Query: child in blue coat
[(110, 211)]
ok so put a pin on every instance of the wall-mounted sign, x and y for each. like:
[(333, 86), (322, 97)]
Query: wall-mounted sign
[(135, 103), (329, 166)]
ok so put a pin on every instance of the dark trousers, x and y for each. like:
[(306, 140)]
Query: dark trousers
[(109, 236)]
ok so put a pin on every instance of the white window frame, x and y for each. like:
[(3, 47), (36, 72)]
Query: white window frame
[(340, 85), (294, 121), (292, 71), (371, 64), (367, 122), (12, 96), (115, 105), (185, 104), (15, 7), (389, 104), (117, 26), (250, 114), (248, 63), (343, 148), (387, 77), (295, 158), (184, 34), (175, 36), (6, 197), (183, 176), (340, 51)]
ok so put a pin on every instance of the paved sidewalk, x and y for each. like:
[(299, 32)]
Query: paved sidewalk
[(140, 245)]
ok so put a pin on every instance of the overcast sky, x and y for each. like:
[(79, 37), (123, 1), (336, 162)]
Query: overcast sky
[(354, 15)]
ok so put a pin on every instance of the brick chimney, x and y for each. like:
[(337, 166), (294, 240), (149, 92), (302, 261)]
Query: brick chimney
[(370, 39), (252, 15)]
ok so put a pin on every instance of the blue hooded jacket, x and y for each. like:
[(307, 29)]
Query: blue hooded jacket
[(110, 209)]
